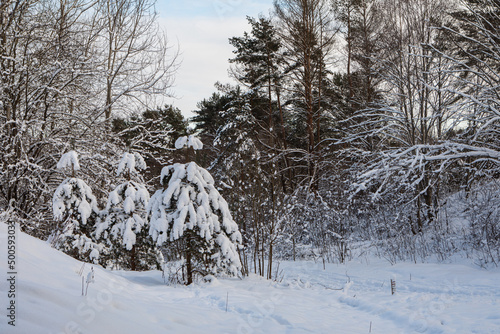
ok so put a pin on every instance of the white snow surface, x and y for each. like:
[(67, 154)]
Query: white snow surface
[(439, 298), (189, 141), (70, 160)]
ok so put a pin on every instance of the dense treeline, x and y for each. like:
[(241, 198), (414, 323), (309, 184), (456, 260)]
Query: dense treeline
[(356, 120), (354, 126), (67, 69)]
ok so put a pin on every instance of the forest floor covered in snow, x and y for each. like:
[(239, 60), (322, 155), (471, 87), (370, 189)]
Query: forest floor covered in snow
[(352, 298)]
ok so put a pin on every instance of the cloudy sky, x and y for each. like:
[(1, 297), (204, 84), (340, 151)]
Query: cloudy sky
[(201, 29)]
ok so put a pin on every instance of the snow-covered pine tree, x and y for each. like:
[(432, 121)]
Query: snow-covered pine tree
[(190, 213), (123, 225), (75, 207)]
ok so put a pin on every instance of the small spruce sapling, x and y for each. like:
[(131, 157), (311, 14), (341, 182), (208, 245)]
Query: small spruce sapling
[(190, 213), (75, 207)]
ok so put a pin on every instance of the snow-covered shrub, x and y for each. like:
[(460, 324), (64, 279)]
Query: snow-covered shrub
[(75, 207), (312, 220), (483, 213), (190, 213), (122, 225)]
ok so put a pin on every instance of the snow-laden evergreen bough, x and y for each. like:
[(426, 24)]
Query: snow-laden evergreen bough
[(130, 164), (122, 225), (75, 206), (188, 141), (189, 210), (122, 218)]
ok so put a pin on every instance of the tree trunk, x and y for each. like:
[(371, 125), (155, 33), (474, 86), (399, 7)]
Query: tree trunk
[(133, 259), (270, 261), (189, 266)]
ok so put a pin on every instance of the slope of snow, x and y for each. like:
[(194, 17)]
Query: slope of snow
[(430, 298)]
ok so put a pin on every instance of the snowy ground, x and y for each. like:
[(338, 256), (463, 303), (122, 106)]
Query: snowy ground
[(430, 298)]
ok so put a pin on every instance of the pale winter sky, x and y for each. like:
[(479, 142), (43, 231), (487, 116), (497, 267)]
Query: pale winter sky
[(202, 28)]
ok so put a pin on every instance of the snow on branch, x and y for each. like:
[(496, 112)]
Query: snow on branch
[(70, 160), (191, 203), (413, 162), (447, 151), (188, 141), (73, 197), (129, 163), (123, 216)]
